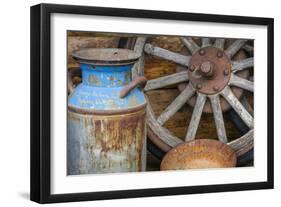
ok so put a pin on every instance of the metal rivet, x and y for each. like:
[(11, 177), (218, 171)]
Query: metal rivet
[(216, 88), (192, 68), (219, 54), (199, 86), (202, 52), (226, 72)]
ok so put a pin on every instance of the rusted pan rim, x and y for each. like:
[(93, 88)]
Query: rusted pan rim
[(105, 56), (106, 112), (199, 154)]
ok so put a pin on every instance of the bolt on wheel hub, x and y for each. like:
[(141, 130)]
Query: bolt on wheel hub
[(210, 70)]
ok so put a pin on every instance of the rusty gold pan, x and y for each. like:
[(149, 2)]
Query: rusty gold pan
[(199, 154)]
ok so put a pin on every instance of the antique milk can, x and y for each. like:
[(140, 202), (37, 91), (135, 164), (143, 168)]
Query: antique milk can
[(106, 129)]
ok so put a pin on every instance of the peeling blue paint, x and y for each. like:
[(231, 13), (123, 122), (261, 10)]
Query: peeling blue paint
[(101, 86), (102, 143)]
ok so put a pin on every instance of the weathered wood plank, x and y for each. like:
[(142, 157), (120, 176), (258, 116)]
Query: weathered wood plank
[(190, 44), (219, 43), (242, 64), (241, 83), (176, 105), (237, 106), (196, 116), (157, 67), (234, 47), (168, 55), (171, 43), (206, 42), (218, 117), (166, 81)]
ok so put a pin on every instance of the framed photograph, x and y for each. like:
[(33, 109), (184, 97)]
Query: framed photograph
[(132, 103)]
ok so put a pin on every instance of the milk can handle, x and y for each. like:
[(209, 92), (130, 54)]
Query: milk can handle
[(70, 85), (70, 74), (138, 81)]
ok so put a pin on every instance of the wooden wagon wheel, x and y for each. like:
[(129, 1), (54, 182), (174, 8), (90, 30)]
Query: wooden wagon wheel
[(162, 138), (211, 73)]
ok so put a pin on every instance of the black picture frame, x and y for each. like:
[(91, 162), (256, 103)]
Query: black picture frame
[(41, 99)]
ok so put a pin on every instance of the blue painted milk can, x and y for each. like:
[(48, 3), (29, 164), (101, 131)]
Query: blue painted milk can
[(106, 129)]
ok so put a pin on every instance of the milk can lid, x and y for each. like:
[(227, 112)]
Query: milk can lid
[(105, 56)]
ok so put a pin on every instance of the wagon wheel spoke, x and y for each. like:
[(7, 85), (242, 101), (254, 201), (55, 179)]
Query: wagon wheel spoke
[(215, 103), (190, 44), (248, 48), (166, 81), (196, 116), (243, 144), (169, 138), (247, 106), (242, 64), (139, 65), (234, 47), (241, 83), (139, 45), (206, 42), (237, 106), (167, 55), (219, 43), (176, 105)]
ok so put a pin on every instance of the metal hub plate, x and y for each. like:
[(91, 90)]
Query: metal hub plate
[(210, 70), (238, 92)]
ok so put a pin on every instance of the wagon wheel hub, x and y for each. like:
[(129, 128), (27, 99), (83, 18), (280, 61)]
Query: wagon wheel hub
[(209, 70)]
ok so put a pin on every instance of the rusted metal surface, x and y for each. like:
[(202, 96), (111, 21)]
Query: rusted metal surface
[(106, 132), (207, 69), (198, 154), (91, 40), (138, 81), (236, 90), (105, 56), (105, 112), (106, 144), (211, 72)]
